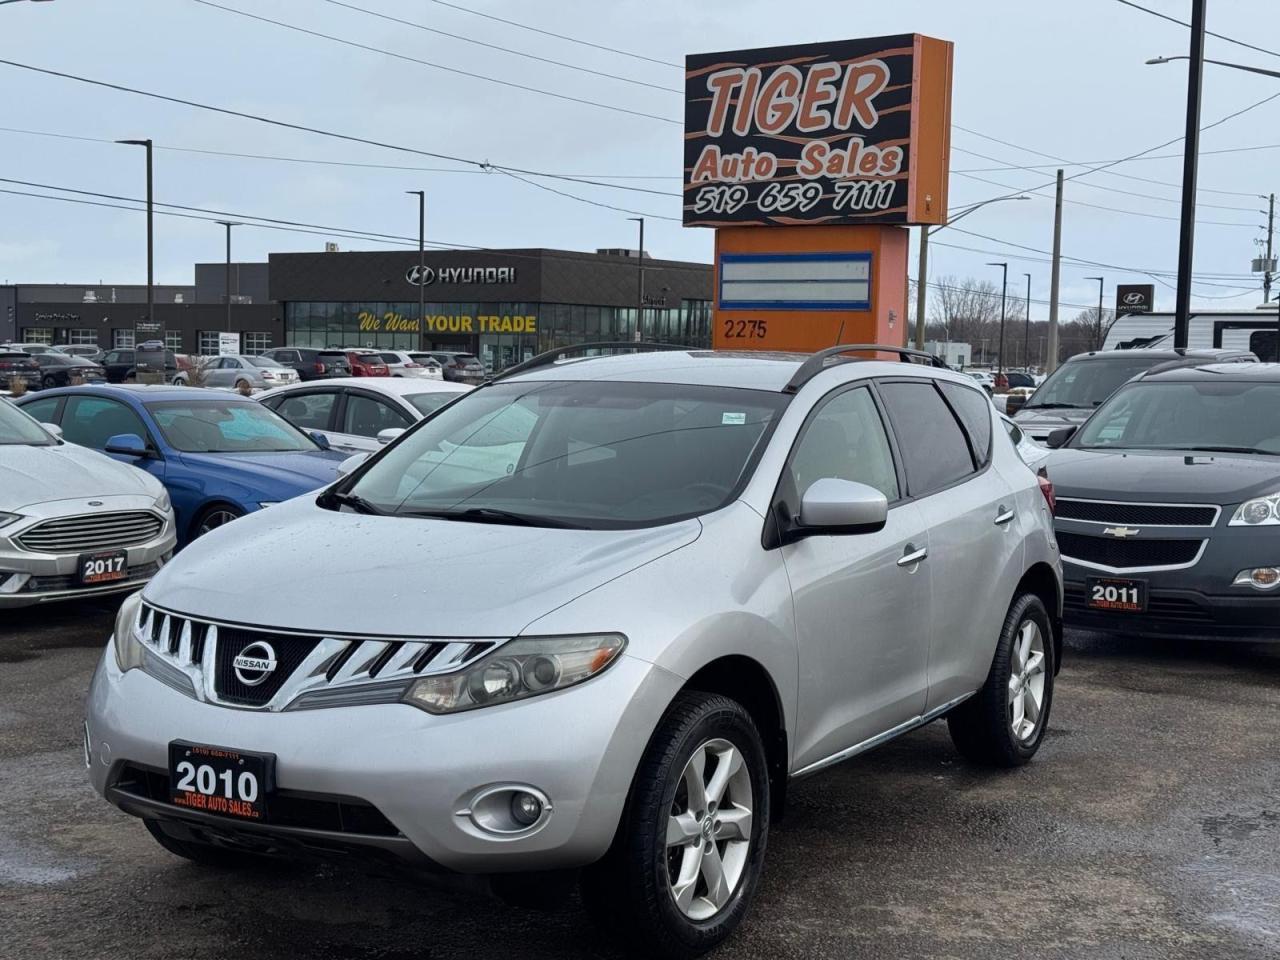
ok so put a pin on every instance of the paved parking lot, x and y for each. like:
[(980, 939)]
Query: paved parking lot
[(1148, 826)]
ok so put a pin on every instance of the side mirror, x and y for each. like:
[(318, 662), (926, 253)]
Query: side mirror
[(54, 429), (321, 440), (1058, 438), (128, 444), (389, 434), (842, 506), (350, 464)]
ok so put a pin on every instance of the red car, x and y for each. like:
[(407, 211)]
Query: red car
[(367, 363)]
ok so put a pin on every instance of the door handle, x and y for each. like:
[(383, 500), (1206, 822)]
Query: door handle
[(912, 556), (1004, 516)]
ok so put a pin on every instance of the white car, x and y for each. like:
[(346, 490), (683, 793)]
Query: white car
[(421, 366), (984, 379), (73, 523), (359, 414)]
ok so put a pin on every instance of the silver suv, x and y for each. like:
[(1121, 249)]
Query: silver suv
[(589, 620)]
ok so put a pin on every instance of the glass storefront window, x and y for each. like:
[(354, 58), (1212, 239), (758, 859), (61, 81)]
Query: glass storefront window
[(256, 342), (173, 340), (82, 337), (37, 334), (122, 338)]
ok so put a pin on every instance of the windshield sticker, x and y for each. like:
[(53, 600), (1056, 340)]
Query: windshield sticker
[(734, 419)]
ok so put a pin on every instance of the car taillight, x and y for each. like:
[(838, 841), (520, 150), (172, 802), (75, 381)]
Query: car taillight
[(1046, 488), (320, 367), (415, 366)]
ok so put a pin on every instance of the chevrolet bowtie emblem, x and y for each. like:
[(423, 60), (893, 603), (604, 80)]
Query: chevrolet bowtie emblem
[(1121, 532)]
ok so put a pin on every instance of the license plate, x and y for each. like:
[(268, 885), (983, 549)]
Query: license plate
[(1111, 593), (230, 783), (104, 567)]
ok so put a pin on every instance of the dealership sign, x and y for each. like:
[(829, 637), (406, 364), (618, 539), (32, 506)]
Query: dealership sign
[(1135, 298), (852, 131), (425, 276)]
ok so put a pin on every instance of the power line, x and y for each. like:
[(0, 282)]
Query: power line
[(494, 46), (1183, 23), (594, 203), (558, 36), (436, 66)]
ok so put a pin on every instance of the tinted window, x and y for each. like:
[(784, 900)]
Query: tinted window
[(309, 412), (974, 410), (366, 417), (91, 421), (390, 357), (1086, 383), (845, 440), (213, 427), (426, 403), (19, 427), (933, 444), (43, 410)]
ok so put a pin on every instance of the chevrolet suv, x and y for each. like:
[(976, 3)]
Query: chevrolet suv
[(589, 620)]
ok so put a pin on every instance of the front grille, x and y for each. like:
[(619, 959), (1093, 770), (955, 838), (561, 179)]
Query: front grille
[(1126, 554), (285, 808), (92, 531), (312, 671), (1137, 514), (71, 581)]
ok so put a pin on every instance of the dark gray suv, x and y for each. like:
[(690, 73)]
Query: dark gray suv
[(1168, 505), (312, 363)]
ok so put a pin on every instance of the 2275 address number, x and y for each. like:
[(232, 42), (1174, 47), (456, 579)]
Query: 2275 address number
[(746, 329)]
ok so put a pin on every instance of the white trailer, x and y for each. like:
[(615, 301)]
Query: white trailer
[(1254, 330)]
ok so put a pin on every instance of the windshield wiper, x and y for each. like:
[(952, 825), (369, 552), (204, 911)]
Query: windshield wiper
[(492, 515), (355, 502), (1224, 450), (1051, 405)]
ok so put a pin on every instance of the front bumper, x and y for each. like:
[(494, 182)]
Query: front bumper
[(416, 770), (1180, 613)]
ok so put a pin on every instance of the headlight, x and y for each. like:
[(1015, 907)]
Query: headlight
[(520, 669), (1259, 512), (128, 647), (8, 518), (163, 503)]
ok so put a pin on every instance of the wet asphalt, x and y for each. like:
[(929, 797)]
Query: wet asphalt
[(1147, 827)]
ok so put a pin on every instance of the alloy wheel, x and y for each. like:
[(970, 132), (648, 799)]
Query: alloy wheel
[(1026, 681), (215, 519), (709, 830)]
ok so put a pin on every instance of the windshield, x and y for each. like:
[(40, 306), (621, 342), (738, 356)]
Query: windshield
[(583, 454), (18, 428), (265, 362), (1208, 415), (1086, 383), (211, 426), (426, 403)]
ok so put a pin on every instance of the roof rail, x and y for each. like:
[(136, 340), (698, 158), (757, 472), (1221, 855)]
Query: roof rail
[(824, 358), (560, 353)]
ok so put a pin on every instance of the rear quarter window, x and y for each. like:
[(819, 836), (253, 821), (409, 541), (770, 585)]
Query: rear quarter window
[(934, 446)]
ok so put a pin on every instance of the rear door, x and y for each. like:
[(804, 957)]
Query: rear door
[(361, 418), (945, 434), (91, 421), (312, 410)]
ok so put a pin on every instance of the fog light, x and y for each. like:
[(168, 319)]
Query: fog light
[(1264, 578), (526, 809)]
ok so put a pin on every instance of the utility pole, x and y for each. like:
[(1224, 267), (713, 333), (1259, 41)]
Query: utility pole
[(922, 272), (1055, 275), (639, 335), (422, 258), (1271, 226), (1097, 323), (1026, 329), (226, 277), (151, 300), (1004, 291), (1190, 157)]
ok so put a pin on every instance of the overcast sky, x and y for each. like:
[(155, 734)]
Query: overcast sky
[(1062, 78)]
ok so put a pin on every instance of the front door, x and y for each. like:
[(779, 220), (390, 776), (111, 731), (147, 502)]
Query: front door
[(862, 601)]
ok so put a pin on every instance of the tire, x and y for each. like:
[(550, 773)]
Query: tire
[(213, 517), (205, 854), (983, 727), (49, 382), (632, 892)]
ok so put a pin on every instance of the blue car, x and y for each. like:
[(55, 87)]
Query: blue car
[(220, 455)]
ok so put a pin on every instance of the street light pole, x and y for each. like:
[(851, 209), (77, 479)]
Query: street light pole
[(151, 304), (1190, 157), (1026, 329), (226, 276), (639, 335), (1004, 290), (422, 257), (1097, 326)]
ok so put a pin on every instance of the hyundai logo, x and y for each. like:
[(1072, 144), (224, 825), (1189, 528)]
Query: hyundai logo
[(420, 276), (1121, 532), (1133, 298), (254, 663)]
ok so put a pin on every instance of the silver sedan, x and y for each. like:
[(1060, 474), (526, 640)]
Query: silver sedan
[(259, 373), (73, 522)]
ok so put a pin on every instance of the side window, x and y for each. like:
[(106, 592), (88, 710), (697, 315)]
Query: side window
[(845, 440), (307, 412), (935, 450), (91, 421), (43, 410), (974, 411), (367, 417)]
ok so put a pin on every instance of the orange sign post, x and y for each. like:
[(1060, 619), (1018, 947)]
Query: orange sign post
[(809, 161)]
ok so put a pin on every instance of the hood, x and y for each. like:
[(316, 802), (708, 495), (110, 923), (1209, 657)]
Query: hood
[(1162, 476), (1039, 423), (298, 472), (399, 576), (65, 472)]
